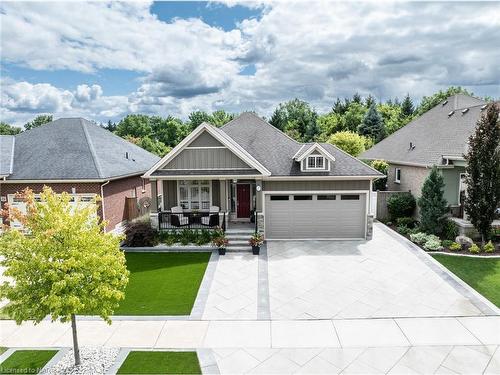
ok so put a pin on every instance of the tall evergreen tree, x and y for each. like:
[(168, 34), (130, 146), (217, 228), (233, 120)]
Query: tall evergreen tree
[(483, 172), (339, 107), (433, 206), (369, 101), (372, 125), (407, 107), (356, 98)]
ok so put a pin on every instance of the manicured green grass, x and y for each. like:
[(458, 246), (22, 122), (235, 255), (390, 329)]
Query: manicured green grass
[(160, 363), (26, 361), (162, 283), (483, 274)]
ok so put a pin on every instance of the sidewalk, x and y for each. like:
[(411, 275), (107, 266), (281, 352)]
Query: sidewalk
[(259, 334)]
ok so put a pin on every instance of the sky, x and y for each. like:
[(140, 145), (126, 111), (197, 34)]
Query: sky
[(102, 60)]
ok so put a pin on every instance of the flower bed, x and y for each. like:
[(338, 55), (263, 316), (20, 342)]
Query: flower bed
[(432, 243)]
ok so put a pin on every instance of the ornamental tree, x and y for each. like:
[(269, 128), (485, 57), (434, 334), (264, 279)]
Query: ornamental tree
[(483, 172), (352, 143), (433, 205), (64, 265)]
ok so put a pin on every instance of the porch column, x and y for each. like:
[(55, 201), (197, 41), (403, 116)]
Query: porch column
[(223, 195), (153, 213), (259, 195)]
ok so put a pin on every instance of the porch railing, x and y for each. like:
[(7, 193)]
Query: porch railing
[(191, 220)]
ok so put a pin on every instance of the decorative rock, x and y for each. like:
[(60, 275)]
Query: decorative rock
[(464, 241), (93, 361)]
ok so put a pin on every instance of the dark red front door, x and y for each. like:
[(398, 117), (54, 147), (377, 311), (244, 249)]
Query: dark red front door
[(243, 200)]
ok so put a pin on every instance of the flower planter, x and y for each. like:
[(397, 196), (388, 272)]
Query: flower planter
[(222, 251), (255, 250)]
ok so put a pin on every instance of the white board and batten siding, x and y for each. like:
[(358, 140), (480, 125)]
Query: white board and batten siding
[(315, 215)]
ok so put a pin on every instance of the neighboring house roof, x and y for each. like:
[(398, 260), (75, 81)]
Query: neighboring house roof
[(276, 151), (7, 143), (76, 149), (442, 131)]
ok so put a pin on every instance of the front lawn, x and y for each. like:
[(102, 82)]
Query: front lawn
[(482, 274), (26, 361), (162, 283), (141, 362)]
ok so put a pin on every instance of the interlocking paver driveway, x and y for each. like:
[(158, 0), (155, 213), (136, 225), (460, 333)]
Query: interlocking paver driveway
[(357, 279), (233, 291)]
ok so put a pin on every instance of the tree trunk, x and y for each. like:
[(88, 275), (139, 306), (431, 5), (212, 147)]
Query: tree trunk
[(76, 350)]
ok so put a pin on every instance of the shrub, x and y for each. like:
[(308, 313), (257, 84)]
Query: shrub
[(402, 229), (382, 167), (419, 238), (433, 243), (449, 230), (401, 205), (447, 243), (141, 233), (455, 247), (406, 221), (489, 247), (474, 249)]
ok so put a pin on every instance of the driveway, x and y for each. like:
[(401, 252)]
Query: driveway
[(357, 279)]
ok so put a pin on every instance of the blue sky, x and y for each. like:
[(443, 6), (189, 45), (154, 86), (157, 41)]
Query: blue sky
[(103, 61)]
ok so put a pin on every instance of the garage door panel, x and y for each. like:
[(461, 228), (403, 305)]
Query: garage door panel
[(315, 218)]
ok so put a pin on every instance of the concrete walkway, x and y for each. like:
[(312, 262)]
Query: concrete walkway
[(404, 345), (259, 334)]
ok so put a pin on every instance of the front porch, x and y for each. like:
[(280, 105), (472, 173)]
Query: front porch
[(205, 203)]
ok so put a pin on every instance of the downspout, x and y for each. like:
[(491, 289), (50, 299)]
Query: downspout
[(102, 198)]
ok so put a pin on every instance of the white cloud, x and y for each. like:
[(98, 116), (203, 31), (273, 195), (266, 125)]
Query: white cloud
[(86, 93), (314, 51)]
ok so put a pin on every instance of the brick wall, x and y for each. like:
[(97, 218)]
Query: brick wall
[(114, 198), (80, 188), (114, 194), (412, 178)]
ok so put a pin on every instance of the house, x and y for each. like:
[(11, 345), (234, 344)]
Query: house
[(249, 170), (438, 137), (76, 156)]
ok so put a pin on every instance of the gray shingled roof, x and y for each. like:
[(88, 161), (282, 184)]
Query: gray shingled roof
[(275, 150), (6, 150), (76, 149), (434, 134)]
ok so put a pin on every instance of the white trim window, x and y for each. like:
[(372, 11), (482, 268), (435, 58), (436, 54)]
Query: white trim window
[(315, 162), (397, 175), (194, 194)]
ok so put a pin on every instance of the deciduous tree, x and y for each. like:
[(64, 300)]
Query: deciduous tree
[(38, 121), (352, 143), (66, 266), (6, 129)]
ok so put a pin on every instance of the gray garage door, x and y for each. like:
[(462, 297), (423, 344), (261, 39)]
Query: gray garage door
[(315, 216)]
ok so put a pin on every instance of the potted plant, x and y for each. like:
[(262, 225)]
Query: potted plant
[(220, 242), (256, 241)]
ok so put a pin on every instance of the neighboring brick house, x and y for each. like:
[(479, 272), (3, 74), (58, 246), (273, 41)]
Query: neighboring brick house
[(76, 156)]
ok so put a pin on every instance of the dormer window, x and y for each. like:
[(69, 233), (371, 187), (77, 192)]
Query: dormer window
[(315, 162)]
